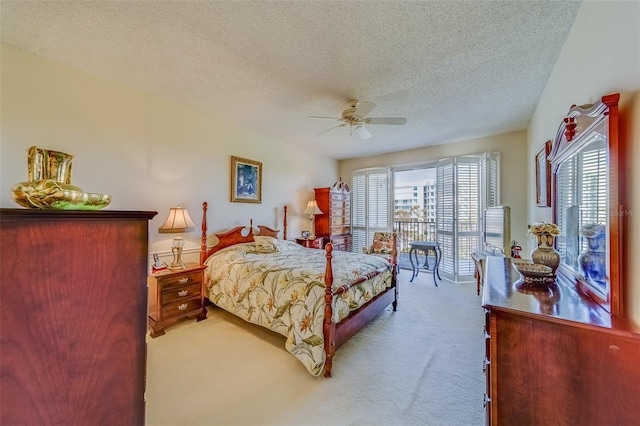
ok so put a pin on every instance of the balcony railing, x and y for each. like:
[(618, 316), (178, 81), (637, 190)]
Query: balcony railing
[(408, 231)]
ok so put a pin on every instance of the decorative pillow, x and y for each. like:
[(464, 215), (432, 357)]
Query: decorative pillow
[(265, 244), (382, 244)]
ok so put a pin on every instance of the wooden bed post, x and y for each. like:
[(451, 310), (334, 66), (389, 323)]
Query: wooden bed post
[(284, 223), (394, 278), (328, 327), (203, 238)]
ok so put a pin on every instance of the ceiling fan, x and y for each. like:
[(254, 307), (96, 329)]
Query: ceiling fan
[(355, 116)]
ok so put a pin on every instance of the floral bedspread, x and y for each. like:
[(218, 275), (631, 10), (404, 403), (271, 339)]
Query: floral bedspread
[(283, 290)]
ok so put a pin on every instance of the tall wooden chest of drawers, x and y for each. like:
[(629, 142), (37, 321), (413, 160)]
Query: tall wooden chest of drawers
[(335, 221), (73, 311)]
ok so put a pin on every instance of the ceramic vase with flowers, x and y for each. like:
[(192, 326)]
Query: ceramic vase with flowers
[(545, 253), (592, 260)]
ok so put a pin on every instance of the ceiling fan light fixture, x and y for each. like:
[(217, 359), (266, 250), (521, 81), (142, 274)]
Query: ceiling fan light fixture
[(363, 132), (356, 116)]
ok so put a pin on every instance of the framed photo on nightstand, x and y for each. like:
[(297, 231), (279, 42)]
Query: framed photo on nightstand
[(306, 234)]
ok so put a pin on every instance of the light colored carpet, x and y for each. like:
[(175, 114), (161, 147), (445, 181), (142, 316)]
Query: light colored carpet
[(421, 365)]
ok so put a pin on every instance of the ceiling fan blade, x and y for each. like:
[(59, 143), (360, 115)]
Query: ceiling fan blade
[(398, 121), (327, 118), (364, 108), (334, 127), (363, 132)]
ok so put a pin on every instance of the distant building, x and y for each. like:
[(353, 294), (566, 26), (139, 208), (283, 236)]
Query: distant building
[(416, 200)]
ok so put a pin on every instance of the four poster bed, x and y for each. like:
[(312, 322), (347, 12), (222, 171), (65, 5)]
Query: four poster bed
[(317, 299)]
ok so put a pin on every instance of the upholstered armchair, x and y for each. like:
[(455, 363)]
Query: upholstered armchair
[(385, 244)]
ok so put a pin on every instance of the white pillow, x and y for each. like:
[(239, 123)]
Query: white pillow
[(282, 245), (265, 244)]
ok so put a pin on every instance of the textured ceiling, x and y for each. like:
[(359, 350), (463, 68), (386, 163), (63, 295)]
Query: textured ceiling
[(455, 69)]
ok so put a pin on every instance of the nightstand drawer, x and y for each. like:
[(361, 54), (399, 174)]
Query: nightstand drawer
[(180, 307), (170, 295), (180, 280), (316, 243)]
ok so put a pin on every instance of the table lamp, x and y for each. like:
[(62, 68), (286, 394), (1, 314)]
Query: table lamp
[(177, 223), (312, 210)]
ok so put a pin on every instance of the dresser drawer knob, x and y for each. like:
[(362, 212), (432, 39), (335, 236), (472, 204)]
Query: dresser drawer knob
[(183, 293), (183, 280), (183, 306)]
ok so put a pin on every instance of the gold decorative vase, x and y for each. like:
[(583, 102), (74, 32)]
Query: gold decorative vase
[(49, 185), (545, 253)]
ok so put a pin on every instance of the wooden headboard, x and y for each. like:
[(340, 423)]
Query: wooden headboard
[(235, 235)]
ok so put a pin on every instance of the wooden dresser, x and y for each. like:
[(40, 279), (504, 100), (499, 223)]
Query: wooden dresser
[(553, 357), (334, 224), (74, 306)]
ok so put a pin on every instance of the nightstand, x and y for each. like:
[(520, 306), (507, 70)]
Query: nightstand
[(174, 295), (316, 242)]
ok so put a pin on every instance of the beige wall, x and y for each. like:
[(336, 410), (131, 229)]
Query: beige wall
[(513, 154), (601, 56), (147, 152)]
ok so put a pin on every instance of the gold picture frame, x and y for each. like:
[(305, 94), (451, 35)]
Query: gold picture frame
[(246, 180), (543, 176)]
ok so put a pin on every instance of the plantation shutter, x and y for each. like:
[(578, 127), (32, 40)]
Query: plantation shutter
[(358, 210), (445, 213), (369, 206), (468, 213), (464, 185), (490, 180)]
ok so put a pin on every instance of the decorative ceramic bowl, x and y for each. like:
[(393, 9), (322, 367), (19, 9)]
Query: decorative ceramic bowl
[(533, 271), (53, 195)]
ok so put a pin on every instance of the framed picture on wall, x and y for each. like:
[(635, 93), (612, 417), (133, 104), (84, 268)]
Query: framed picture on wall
[(543, 176), (246, 180)]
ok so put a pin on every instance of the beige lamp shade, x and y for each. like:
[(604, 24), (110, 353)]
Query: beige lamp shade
[(312, 210), (177, 222)]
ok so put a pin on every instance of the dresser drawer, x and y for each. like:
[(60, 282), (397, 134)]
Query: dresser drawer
[(337, 230), (182, 280), (180, 307), (340, 240), (339, 220), (170, 295), (339, 204)]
